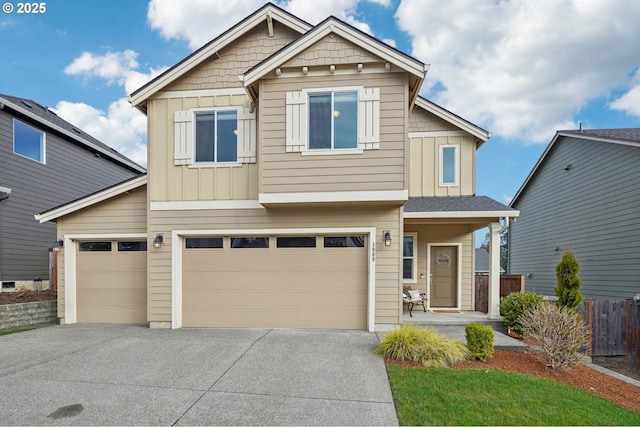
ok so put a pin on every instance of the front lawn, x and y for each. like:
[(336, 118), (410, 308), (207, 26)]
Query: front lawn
[(494, 397)]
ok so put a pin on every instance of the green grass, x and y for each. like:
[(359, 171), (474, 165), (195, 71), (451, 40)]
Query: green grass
[(494, 397), (14, 331)]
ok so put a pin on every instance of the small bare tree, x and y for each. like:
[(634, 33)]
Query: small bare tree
[(560, 332)]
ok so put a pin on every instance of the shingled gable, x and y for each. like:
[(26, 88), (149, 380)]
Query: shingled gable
[(481, 135), (266, 14), (333, 25)]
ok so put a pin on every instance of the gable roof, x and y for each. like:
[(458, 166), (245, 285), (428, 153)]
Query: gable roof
[(266, 13), (51, 121), (93, 198), (333, 25), (433, 108), (622, 136)]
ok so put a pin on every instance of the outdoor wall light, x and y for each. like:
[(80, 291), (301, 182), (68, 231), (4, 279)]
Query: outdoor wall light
[(158, 241), (58, 245), (387, 237)]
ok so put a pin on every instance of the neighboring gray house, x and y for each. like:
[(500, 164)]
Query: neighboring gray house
[(583, 193), (44, 162), (482, 261)]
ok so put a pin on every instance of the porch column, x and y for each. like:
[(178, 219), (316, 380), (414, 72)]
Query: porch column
[(494, 271)]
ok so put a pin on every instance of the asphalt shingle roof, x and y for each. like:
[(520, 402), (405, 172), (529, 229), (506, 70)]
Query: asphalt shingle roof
[(624, 134), (454, 204)]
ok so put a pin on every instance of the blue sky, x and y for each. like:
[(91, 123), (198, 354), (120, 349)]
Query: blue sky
[(519, 69)]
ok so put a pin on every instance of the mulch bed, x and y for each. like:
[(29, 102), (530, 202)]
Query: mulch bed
[(19, 297)]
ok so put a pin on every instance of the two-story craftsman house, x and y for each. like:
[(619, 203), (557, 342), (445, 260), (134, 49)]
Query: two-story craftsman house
[(295, 180)]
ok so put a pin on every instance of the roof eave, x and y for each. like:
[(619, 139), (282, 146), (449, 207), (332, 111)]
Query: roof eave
[(73, 136), (481, 135), (463, 214)]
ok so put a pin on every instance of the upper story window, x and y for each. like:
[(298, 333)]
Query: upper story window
[(449, 165), (333, 120), (28, 141), (216, 136), (343, 120)]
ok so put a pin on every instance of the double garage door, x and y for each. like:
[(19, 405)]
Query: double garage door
[(275, 282)]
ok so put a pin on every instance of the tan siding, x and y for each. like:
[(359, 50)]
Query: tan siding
[(423, 121), (332, 50), (446, 233), (123, 214), (387, 258), (381, 169), (168, 182), (236, 58), (424, 164)]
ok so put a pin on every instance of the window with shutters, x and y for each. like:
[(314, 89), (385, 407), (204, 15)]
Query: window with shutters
[(333, 120), (211, 137)]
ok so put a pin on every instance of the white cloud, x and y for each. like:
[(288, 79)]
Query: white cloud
[(122, 127), (199, 21), (523, 69), (629, 102)]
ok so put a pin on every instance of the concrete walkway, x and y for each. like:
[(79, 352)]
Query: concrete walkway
[(133, 375)]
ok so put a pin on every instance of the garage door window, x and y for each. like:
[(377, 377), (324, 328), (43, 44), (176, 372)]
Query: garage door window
[(344, 242), (95, 247), (204, 243), (296, 242), (249, 242), (132, 246)]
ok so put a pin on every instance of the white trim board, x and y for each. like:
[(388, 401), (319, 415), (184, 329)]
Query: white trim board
[(463, 214), (335, 196), (176, 263), (205, 205)]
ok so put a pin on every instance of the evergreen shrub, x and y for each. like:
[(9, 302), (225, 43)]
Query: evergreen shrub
[(480, 340)]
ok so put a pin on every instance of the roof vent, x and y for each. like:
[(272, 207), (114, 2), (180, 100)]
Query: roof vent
[(27, 104), (76, 130)]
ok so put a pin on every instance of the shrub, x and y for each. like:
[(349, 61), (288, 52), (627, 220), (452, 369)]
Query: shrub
[(568, 282), (480, 340), (514, 305), (421, 345), (559, 332)]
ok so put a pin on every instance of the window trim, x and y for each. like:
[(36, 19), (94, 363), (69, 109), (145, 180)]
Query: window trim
[(456, 160), (43, 148), (204, 110), (414, 273)]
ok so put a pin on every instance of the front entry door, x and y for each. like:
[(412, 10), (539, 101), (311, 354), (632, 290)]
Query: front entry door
[(444, 275)]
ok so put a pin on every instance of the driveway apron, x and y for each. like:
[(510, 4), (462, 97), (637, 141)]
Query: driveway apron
[(132, 375)]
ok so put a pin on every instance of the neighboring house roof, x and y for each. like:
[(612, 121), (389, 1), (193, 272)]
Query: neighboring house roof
[(53, 122), (623, 136), (333, 25), (91, 199), (456, 206), (433, 108), (266, 13)]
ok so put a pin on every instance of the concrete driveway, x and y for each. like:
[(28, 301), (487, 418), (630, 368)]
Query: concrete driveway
[(133, 375)]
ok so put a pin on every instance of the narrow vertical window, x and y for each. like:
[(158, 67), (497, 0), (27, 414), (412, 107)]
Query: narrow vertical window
[(448, 165), (217, 136), (408, 259)]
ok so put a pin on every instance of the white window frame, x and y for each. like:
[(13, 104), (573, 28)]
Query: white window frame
[(414, 273), (208, 110), (43, 147), (456, 172), (331, 91)]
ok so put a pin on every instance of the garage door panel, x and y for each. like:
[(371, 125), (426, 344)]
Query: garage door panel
[(111, 286), (275, 287)]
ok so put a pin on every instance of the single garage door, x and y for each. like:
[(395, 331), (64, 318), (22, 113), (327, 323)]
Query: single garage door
[(275, 282), (111, 282)]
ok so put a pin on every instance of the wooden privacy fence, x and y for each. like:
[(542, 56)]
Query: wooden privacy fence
[(615, 328), (508, 283)]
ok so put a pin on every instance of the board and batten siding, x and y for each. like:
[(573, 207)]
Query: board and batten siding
[(123, 214), (69, 173), (592, 207), (446, 234), (371, 170), (388, 265), (170, 182)]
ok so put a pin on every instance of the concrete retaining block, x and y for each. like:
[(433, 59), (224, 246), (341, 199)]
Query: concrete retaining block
[(28, 314)]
